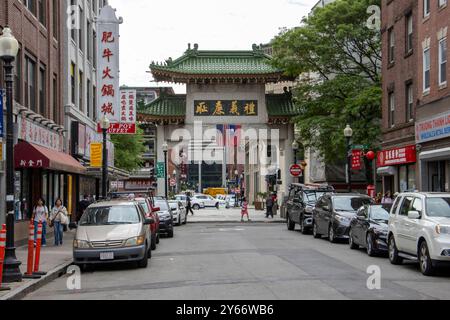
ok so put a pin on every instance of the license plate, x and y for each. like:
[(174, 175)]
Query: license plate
[(107, 256)]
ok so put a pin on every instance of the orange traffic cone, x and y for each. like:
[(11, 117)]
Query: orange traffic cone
[(37, 258), (29, 274), (2, 255)]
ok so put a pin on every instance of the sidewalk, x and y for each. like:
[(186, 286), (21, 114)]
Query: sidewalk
[(54, 261), (230, 216)]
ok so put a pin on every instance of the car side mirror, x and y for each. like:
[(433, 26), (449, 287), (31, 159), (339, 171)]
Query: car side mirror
[(149, 221), (414, 215), (156, 209), (73, 225)]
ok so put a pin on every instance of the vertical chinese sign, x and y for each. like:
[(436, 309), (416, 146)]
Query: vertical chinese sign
[(356, 159), (108, 66)]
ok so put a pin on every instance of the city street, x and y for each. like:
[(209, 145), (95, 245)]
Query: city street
[(250, 261)]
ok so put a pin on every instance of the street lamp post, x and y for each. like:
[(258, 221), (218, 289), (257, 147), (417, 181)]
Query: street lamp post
[(104, 124), (348, 133), (176, 180), (9, 48), (236, 174), (165, 148)]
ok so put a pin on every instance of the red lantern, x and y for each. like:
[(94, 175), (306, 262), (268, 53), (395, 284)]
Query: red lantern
[(370, 155)]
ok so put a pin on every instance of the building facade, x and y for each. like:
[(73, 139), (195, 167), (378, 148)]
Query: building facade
[(433, 100), (400, 44)]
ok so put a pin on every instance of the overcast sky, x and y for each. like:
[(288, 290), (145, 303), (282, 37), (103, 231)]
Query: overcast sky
[(154, 30)]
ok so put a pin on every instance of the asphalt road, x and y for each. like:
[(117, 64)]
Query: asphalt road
[(251, 261)]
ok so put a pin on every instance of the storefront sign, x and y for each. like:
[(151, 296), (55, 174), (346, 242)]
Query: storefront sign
[(108, 65), (356, 159), (433, 129), (91, 137), (33, 133), (397, 156), (96, 155), (221, 108), (1, 114), (138, 185)]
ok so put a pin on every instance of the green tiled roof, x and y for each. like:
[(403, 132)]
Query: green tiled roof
[(166, 106), (280, 105), (195, 63)]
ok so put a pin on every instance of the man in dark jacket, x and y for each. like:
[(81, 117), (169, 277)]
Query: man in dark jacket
[(188, 205), (269, 205)]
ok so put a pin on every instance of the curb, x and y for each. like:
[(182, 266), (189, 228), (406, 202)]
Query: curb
[(34, 285)]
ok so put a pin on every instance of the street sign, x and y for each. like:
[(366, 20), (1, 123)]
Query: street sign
[(296, 170), (360, 147), (160, 171)]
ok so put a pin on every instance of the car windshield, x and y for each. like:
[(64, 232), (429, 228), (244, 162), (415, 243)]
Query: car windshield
[(162, 205), (379, 213), (173, 205), (103, 216), (311, 196), (144, 205), (350, 203), (438, 207)]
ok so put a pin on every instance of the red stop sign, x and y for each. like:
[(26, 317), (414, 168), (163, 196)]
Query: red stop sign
[(296, 170)]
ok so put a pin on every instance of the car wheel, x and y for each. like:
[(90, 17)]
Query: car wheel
[(352, 243), (144, 262), (290, 224), (394, 258), (426, 265), (331, 234), (153, 245), (196, 207), (370, 250), (170, 233), (316, 234)]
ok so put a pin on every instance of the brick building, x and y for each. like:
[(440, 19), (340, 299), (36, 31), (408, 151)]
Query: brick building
[(433, 106), (397, 160)]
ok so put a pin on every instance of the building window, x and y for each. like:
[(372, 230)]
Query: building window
[(426, 8), (42, 92), (18, 78), (443, 62), (391, 109), (442, 3), (80, 91), (88, 42), (72, 31), (94, 48), (407, 178), (30, 84), (55, 99), (72, 82), (409, 33), (42, 12), (426, 70), (31, 5), (391, 54), (94, 103), (55, 19), (409, 102), (88, 98), (80, 31)]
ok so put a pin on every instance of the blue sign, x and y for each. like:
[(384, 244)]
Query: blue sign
[(1, 113)]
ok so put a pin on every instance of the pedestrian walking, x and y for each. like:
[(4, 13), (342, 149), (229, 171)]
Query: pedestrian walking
[(269, 205), (59, 218), (244, 210), (387, 199), (188, 205), (40, 214), (275, 204)]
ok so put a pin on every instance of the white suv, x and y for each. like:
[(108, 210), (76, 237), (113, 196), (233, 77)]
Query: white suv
[(419, 229)]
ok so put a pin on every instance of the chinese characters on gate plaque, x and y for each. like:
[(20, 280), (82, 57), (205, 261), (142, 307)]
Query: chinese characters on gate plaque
[(220, 108)]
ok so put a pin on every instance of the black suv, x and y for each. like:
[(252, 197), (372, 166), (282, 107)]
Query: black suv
[(300, 204)]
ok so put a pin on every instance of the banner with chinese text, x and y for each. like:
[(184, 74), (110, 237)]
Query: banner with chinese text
[(96, 155), (127, 124), (222, 108)]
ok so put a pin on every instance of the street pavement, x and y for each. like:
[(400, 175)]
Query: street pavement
[(250, 261), (230, 215)]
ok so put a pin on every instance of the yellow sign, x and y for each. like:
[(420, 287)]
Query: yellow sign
[(96, 155), (1, 151)]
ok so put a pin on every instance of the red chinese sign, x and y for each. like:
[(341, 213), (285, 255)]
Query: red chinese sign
[(397, 156), (356, 159)]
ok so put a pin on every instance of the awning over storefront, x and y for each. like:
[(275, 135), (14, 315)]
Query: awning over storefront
[(435, 155), (387, 171), (31, 156)]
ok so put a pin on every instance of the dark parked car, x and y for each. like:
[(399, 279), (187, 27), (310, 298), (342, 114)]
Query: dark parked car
[(165, 218), (334, 212), (300, 204), (369, 229)]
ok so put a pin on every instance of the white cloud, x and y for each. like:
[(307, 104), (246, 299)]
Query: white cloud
[(156, 30)]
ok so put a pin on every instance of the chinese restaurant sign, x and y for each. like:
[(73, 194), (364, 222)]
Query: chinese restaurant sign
[(222, 108), (356, 159), (433, 129), (33, 133), (127, 124), (397, 156), (108, 65)]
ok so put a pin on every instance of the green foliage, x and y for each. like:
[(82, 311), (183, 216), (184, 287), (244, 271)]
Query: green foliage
[(338, 62), (129, 150)]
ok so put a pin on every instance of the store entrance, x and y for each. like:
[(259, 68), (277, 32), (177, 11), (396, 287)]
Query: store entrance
[(436, 176)]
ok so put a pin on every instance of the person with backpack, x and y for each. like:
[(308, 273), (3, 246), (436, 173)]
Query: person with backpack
[(59, 218), (40, 215)]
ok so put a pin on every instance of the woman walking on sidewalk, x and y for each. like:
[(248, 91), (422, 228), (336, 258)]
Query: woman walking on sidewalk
[(244, 210), (58, 218), (40, 214)]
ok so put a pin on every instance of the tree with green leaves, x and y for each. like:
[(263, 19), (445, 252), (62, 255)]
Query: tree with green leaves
[(337, 60), (128, 150)]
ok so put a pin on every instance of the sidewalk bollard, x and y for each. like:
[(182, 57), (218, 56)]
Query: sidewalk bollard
[(29, 274), (2, 255), (37, 258)]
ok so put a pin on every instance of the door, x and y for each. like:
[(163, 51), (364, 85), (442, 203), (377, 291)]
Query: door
[(412, 227), (324, 215), (402, 223), (290, 203), (358, 226)]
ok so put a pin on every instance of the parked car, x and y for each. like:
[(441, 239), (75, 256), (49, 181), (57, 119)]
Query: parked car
[(223, 203), (334, 212), (178, 212), (196, 204), (151, 212), (207, 200), (419, 230), (165, 218), (300, 205), (113, 231), (369, 229)]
